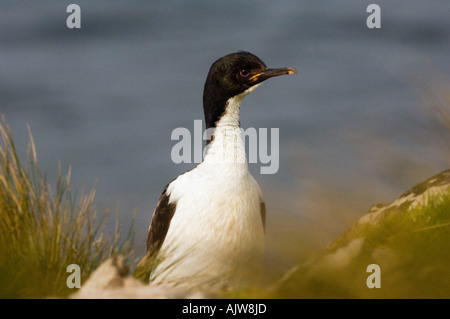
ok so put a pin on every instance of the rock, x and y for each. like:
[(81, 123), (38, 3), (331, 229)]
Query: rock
[(343, 256), (418, 195), (112, 280)]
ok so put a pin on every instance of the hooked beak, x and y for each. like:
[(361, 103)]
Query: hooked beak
[(270, 73)]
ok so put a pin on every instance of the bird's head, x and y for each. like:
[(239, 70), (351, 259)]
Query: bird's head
[(233, 75)]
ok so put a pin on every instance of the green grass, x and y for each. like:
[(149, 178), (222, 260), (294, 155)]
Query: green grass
[(43, 230)]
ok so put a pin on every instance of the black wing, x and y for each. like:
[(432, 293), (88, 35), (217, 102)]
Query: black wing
[(263, 213), (160, 223)]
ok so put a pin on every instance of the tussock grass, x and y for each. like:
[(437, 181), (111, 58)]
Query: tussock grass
[(43, 230)]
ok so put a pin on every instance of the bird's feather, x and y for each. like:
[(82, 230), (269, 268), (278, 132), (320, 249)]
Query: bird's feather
[(263, 213), (161, 219)]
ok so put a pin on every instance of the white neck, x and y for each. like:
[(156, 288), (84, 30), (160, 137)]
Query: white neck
[(227, 145)]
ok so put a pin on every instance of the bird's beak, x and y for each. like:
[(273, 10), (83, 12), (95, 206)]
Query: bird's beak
[(270, 73)]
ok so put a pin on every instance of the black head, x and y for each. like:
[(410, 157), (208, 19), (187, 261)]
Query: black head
[(230, 76)]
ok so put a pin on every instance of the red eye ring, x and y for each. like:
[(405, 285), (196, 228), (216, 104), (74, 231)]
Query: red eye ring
[(244, 73)]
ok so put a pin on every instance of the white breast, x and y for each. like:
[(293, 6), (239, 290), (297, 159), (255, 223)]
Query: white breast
[(216, 233)]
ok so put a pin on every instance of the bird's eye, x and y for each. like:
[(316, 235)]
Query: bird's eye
[(244, 73)]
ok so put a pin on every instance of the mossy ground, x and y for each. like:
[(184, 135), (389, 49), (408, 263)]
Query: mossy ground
[(411, 247)]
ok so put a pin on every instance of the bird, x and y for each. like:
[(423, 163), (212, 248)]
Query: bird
[(208, 227)]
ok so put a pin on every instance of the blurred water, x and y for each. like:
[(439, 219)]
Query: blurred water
[(104, 99)]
